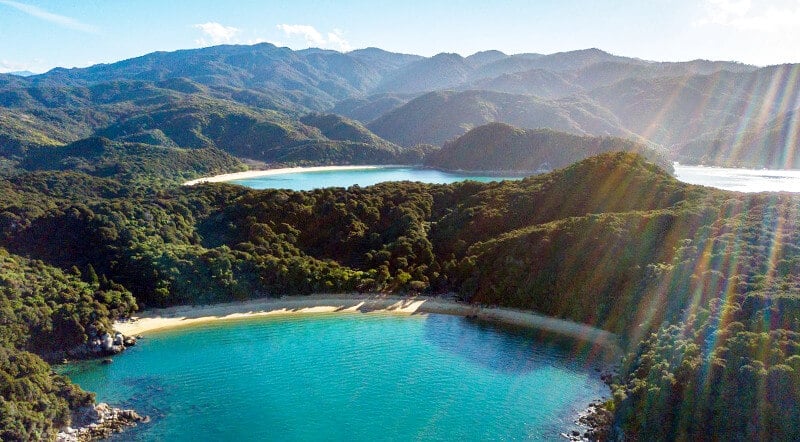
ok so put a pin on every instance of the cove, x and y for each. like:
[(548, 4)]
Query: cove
[(348, 376)]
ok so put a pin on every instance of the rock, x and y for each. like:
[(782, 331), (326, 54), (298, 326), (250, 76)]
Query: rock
[(129, 341), (107, 361), (107, 342), (98, 422)]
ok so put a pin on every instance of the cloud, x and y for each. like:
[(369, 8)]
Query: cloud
[(313, 38), (311, 35), (10, 66), (748, 15), (216, 33), (61, 20)]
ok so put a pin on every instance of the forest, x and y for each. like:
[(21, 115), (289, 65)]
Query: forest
[(701, 284)]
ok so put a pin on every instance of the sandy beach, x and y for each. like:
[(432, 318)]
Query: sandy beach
[(182, 316), (268, 172)]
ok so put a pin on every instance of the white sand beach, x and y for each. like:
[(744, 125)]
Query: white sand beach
[(181, 316), (268, 172)]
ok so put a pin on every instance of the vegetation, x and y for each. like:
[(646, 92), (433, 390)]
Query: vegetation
[(34, 402), (701, 284), (649, 258), (498, 146)]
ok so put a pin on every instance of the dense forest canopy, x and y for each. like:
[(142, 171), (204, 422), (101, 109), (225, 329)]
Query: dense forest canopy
[(704, 278)]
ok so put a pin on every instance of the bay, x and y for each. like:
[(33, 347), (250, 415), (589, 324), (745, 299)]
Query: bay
[(347, 377)]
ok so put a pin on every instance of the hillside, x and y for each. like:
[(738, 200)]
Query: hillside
[(538, 82), (131, 162), (774, 145), (176, 113), (500, 147), (612, 241), (440, 116), (679, 105)]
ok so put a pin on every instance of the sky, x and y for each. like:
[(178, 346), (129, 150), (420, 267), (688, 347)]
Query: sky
[(38, 35)]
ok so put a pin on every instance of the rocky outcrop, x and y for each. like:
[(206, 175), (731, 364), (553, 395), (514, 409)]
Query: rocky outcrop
[(598, 420), (99, 344), (98, 422)]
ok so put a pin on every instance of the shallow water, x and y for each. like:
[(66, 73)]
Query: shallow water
[(347, 377), (362, 177)]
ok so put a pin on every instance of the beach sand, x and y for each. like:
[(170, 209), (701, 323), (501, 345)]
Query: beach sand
[(181, 316), (259, 173)]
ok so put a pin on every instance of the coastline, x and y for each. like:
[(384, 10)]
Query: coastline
[(267, 172), (185, 316)]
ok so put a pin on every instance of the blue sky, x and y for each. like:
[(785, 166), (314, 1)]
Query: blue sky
[(38, 35)]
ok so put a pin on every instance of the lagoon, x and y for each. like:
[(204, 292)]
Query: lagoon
[(348, 376)]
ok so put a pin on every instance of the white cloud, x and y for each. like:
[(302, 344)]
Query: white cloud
[(61, 20), (336, 41), (749, 15), (311, 35), (35, 65), (216, 34), (257, 40), (313, 38)]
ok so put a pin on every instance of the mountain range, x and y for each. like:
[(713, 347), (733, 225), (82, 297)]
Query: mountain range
[(253, 102)]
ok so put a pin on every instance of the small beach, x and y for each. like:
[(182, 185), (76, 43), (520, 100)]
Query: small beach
[(183, 316)]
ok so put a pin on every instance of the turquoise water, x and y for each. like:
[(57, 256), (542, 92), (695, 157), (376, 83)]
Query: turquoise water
[(362, 177), (359, 377)]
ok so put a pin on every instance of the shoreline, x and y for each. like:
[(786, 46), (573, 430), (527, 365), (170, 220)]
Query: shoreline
[(186, 316), (267, 172), (284, 170)]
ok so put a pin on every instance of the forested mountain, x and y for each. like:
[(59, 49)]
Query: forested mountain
[(500, 147), (771, 146), (440, 116), (683, 106)]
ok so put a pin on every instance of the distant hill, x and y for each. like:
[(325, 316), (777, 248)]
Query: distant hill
[(438, 72), (131, 162), (775, 145), (383, 61), (482, 58), (500, 147), (263, 136), (369, 108), (302, 79), (175, 112), (537, 82), (440, 116), (406, 99), (676, 110)]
